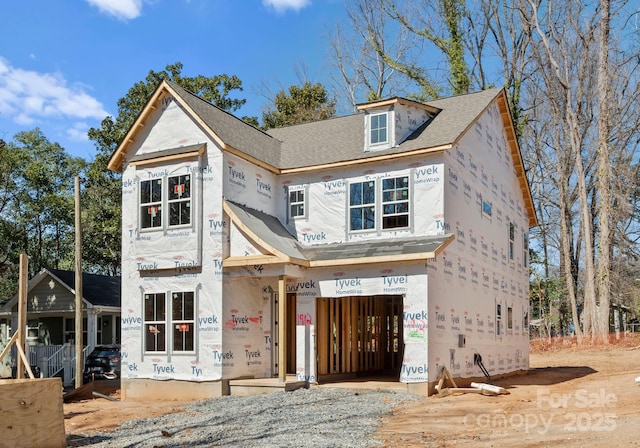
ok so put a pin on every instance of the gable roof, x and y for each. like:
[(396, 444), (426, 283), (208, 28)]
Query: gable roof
[(100, 290), (97, 290), (339, 140), (336, 141)]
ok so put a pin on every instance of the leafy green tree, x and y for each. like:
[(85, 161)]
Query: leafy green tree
[(102, 193), (36, 205), (310, 102)]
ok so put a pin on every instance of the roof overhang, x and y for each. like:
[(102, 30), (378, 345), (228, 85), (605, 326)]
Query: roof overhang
[(280, 247), (117, 158), (397, 100)]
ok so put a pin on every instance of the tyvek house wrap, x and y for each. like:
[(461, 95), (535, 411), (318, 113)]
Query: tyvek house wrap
[(476, 273), (409, 280), (170, 260)]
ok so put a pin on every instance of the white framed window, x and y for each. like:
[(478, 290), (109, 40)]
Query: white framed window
[(179, 199), (362, 206), (151, 204), (387, 198), (498, 319), (378, 132), (155, 322), (395, 202), (525, 249), (172, 194), (169, 326), (509, 318), (512, 240), (183, 321), (297, 203), (525, 321)]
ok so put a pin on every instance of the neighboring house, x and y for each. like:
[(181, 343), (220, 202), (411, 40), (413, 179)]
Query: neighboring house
[(51, 315), (396, 238)]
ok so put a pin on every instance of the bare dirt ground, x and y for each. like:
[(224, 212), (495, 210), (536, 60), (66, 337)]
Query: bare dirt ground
[(572, 396)]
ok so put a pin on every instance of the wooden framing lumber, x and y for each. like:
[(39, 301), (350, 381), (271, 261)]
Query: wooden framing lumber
[(282, 329)]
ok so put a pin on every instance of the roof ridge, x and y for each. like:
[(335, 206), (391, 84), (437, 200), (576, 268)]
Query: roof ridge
[(176, 86)]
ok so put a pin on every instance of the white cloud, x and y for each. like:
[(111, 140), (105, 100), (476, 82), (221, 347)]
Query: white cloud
[(78, 132), (283, 5), (28, 96), (121, 9)]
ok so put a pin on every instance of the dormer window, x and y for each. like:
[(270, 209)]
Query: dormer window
[(378, 129)]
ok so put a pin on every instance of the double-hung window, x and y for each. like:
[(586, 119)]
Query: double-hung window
[(297, 207), (387, 198), (155, 323), (525, 250), (181, 324), (151, 204), (378, 128), (395, 202), (183, 321), (179, 197), (362, 206), (172, 194)]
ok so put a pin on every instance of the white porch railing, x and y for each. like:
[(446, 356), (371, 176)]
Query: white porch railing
[(54, 359)]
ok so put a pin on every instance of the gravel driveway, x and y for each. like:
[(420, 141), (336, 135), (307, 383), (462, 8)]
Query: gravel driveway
[(318, 417)]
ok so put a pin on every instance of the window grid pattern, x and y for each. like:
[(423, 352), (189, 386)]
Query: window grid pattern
[(182, 315), (362, 206), (155, 323), (179, 198), (151, 204), (378, 128), (296, 203), (395, 202)]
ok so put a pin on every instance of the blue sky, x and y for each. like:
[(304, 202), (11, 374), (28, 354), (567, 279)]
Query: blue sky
[(65, 63)]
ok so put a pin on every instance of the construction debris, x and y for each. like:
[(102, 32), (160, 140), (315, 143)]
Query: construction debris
[(477, 388)]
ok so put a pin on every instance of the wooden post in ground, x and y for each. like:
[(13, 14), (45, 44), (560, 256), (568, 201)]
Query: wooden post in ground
[(282, 329), (78, 338), (22, 313)]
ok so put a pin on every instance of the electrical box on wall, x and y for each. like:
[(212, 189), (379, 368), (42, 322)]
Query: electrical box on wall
[(462, 340)]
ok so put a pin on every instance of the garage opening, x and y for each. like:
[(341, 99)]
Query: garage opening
[(358, 336)]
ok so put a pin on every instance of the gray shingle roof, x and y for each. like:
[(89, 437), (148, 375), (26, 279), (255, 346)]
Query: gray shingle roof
[(99, 290), (272, 232), (233, 131), (336, 139), (342, 139)]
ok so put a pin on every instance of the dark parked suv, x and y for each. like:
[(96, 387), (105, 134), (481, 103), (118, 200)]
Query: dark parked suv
[(102, 364)]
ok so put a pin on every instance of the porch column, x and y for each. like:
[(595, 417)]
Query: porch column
[(282, 328)]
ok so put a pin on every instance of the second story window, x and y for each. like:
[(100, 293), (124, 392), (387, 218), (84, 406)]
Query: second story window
[(151, 204), (297, 207), (395, 202), (381, 204), (362, 206), (525, 250), (179, 200), (378, 128), (170, 196)]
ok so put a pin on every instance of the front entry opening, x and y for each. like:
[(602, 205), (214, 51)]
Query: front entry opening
[(359, 335)]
